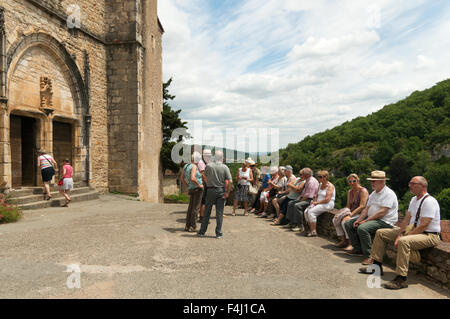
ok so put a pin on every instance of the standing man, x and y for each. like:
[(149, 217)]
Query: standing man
[(381, 212), (296, 208), (423, 220), (219, 182)]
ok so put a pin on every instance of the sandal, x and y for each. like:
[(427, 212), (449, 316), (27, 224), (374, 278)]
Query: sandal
[(245, 213), (233, 214), (49, 197), (312, 234)]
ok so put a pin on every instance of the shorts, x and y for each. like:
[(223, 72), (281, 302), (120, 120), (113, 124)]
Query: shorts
[(47, 174), (67, 184)]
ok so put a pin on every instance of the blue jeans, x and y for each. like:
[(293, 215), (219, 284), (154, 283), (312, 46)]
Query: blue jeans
[(214, 196)]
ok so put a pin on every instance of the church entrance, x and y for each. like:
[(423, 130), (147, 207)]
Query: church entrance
[(62, 142), (23, 151)]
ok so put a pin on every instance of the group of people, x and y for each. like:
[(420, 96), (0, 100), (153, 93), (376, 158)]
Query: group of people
[(48, 167), (364, 226)]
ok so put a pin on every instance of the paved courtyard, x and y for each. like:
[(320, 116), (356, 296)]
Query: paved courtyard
[(129, 249)]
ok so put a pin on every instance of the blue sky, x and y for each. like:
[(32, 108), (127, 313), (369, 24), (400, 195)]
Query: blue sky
[(298, 66)]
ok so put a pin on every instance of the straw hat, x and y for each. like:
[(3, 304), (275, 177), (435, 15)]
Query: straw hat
[(377, 176)]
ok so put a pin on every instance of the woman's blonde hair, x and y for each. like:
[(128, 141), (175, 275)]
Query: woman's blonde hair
[(354, 176), (323, 173)]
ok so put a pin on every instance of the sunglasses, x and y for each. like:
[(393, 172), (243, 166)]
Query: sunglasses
[(353, 181), (320, 176)]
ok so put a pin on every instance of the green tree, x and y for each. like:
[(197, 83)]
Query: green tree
[(170, 121), (444, 202)]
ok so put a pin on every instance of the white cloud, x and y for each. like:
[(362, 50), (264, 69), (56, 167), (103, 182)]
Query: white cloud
[(317, 47), (291, 64), (380, 69)]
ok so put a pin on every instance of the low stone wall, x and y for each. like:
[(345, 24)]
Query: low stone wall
[(434, 264)]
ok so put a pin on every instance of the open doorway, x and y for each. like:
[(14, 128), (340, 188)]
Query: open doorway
[(23, 151)]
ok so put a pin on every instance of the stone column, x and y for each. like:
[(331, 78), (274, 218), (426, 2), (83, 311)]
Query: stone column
[(5, 158)]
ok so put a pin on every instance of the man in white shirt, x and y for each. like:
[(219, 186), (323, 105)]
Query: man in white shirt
[(381, 212), (421, 232)]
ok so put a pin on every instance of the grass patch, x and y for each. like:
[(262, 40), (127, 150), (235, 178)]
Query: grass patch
[(9, 211), (127, 194), (178, 198)]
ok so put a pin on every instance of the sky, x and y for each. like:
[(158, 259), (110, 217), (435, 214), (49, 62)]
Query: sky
[(271, 72)]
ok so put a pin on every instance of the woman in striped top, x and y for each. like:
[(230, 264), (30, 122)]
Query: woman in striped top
[(48, 167)]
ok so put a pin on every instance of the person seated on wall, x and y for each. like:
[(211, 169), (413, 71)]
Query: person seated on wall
[(256, 182), (356, 201), (419, 229), (381, 212), (280, 187), (257, 208), (289, 194), (270, 190), (323, 202), (295, 210)]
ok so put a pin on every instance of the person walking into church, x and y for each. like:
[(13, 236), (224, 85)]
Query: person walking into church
[(67, 181), (48, 168)]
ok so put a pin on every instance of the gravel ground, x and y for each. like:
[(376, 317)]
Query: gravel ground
[(129, 249)]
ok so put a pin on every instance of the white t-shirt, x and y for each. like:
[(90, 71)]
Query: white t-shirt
[(430, 209), (385, 198)]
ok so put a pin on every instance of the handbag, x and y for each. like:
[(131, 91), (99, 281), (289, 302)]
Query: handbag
[(61, 181), (252, 190), (411, 227)]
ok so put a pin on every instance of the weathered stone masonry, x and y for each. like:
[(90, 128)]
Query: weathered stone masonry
[(106, 92)]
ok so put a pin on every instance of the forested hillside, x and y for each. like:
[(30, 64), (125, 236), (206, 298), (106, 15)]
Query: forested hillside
[(408, 138)]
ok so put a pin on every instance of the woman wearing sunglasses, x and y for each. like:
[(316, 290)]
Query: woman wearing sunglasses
[(356, 201)]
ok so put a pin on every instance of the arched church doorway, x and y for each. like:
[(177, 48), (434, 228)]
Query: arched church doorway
[(23, 150)]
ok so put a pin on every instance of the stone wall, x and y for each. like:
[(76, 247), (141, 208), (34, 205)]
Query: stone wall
[(25, 18), (434, 264), (117, 51)]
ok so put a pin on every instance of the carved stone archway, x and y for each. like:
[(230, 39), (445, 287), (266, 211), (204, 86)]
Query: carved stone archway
[(79, 93)]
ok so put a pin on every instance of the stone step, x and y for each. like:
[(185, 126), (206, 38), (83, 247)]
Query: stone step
[(34, 190), (58, 202), (39, 197)]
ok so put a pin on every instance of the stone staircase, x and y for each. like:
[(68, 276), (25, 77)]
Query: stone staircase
[(33, 197)]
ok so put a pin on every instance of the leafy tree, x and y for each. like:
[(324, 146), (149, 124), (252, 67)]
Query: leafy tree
[(170, 121), (444, 202)]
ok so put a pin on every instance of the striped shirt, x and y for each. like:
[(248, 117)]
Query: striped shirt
[(45, 161)]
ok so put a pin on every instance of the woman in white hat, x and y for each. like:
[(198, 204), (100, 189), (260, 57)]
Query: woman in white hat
[(244, 177)]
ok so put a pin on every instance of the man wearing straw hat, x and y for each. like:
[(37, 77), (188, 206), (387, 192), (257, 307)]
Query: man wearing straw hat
[(381, 212)]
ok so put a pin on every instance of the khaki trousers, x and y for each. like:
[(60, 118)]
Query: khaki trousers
[(407, 250)]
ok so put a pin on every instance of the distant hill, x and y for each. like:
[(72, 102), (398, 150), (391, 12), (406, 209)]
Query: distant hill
[(407, 138)]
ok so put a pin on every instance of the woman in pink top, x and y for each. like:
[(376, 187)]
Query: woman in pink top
[(67, 171)]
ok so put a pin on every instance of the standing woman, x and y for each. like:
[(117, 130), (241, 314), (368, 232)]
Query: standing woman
[(357, 198), (48, 168), (193, 178), (244, 177), (67, 185)]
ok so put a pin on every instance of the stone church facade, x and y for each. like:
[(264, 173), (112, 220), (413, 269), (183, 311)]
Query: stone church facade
[(83, 82)]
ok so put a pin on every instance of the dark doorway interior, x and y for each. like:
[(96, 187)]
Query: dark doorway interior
[(62, 142), (23, 151)]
